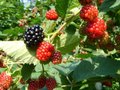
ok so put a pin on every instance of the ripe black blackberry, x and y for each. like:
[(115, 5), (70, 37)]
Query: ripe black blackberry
[(33, 36)]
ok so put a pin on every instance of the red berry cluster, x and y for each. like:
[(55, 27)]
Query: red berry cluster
[(51, 15), (46, 51), (50, 83), (107, 83), (2, 65), (37, 84), (88, 12), (100, 2), (5, 81), (85, 2), (96, 27)]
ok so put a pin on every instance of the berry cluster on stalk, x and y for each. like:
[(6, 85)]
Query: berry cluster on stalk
[(96, 27), (33, 37), (46, 52), (49, 83)]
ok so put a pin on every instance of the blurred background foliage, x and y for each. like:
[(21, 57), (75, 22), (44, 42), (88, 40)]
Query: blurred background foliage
[(10, 12)]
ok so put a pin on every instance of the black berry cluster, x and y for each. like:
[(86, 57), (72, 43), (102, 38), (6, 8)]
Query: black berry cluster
[(33, 36)]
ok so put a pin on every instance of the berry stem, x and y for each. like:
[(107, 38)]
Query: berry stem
[(69, 80), (43, 69), (64, 24), (58, 31)]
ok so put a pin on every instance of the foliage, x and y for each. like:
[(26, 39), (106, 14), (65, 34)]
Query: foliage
[(84, 62)]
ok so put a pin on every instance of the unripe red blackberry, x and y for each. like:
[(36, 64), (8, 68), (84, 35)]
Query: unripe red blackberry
[(33, 85), (88, 12), (107, 83), (33, 36), (85, 2), (51, 15), (42, 81), (44, 51), (50, 83), (1, 88), (5, 80), (96, 28), (100, 2), (57, 57)]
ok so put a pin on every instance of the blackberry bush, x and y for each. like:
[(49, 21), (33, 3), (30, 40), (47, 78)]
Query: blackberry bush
[(77, 38)]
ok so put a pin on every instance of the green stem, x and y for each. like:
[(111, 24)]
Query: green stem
[(65, 86), (43, 69), (58, 31), (68, 80), (63, 25)]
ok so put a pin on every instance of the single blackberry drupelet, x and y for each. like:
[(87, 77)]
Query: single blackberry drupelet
[(33, 36)]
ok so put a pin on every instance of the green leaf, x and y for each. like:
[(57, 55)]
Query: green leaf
[(59, 88), (2, 69), (116, 4), (106, 66), (61, 7), (38, 67), (13, 31), (108, 5), (73, 4), (67, 68), (83, 71), (19, 52), (50, 26), (35, 75), (27, 71), (2, 35), (69, 42), (84, 55), (96, 66)]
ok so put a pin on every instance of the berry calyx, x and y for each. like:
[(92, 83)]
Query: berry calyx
[(5, 80), (44, 51), (88, 12), (51, 15), (33, 36), (50, 83), (42, 81), (57, 58), (96, 28), (85, 2)]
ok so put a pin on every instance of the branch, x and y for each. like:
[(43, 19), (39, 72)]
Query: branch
[(63, 25)]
